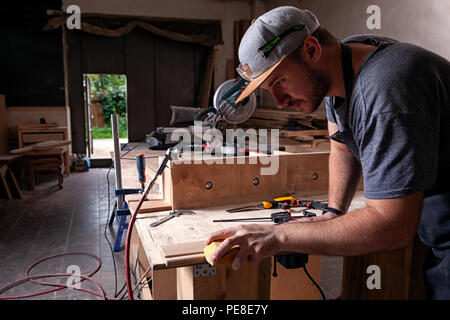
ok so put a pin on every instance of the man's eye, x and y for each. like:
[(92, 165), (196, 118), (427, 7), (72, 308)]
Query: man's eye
[(278, 83)]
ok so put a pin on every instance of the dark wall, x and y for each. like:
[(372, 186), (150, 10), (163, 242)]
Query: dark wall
[(31, 59), (160, 73)]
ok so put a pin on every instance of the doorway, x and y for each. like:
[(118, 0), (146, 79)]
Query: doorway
[(104, 95)]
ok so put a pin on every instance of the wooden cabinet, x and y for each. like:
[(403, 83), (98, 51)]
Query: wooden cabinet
[(34, 133)]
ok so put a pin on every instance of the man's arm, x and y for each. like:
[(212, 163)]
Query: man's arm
[(344, 176), (384, 225), (344, 173)]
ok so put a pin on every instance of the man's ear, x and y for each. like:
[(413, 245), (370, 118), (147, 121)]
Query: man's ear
[(312, 50)]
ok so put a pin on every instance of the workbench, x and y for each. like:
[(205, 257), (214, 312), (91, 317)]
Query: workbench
[(174, 252), (171, 254)]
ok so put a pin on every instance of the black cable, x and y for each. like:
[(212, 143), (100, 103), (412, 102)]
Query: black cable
[(116, 294), (106, 227), (315, 283)]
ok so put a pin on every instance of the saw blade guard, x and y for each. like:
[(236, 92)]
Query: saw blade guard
[(225, 101)]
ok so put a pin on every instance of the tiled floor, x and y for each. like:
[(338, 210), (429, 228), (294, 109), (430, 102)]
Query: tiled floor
[(50, 221)]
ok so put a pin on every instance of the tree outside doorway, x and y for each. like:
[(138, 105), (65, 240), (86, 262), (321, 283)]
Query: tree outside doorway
[(108, 95)]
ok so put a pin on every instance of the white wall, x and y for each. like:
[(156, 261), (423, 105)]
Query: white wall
[(424, 23), (227, 11)]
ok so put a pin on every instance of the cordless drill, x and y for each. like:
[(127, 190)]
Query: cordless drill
[(289, 260)]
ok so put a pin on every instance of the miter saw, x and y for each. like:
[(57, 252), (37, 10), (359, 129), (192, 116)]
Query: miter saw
[(225, 109)]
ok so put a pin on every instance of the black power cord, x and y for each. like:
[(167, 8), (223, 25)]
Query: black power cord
[(116, 294), (314, 282)]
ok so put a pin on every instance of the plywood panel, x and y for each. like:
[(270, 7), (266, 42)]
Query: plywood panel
[(234, 183)]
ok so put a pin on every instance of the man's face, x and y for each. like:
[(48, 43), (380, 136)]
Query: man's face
[(296, 85)]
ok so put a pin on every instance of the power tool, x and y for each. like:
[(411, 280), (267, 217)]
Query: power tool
[(225, 109)]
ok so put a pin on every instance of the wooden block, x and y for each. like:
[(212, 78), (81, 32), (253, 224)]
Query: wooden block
[(183, 249), (148, 205)]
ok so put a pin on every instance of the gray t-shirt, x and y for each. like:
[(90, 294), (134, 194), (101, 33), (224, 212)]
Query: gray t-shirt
[(398, 117)]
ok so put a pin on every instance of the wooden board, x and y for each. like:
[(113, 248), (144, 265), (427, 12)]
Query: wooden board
[(41, 146), (183, 237), (234, 183)]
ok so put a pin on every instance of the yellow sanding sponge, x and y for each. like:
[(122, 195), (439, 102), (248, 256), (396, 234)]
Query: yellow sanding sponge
[(226, 259)]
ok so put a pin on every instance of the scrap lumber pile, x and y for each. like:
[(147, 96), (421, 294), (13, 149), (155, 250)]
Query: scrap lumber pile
[(297, 129)]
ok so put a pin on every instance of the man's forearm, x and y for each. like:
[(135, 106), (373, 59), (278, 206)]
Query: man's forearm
[(358, 232), (344, 177)]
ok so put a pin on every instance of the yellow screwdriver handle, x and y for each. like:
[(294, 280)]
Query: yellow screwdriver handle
[(274, 202)]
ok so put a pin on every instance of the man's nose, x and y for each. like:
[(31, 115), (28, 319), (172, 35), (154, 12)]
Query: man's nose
[(281, 99)]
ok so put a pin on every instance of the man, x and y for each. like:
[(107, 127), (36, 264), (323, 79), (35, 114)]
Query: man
[(388, 106)]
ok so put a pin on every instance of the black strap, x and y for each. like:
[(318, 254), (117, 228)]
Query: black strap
[(335, 211), (347, 68)]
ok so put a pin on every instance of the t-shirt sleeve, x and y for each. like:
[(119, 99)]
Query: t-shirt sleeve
[(399, 154), (329, 102)]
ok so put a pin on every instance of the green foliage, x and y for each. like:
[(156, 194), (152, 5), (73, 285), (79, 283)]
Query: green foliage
[(106, 131), (112, 91)]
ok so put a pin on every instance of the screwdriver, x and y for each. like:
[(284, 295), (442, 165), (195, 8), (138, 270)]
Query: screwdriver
[(140, 163), (266, 204)]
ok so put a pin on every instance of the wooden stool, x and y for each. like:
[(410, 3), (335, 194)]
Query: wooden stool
[(9, 183), (47, 160)]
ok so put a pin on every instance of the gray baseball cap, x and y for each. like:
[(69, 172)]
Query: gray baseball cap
[(270, 39)]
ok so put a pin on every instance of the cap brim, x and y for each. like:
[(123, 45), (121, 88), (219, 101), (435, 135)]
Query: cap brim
[(255, 83)]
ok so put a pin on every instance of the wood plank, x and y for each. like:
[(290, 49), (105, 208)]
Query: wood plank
[(149, 205), (186, 248), (41, 146)]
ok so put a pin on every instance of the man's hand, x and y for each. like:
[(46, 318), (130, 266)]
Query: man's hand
[(256, 243)]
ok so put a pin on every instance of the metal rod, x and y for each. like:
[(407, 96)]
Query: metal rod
[(117, 166), (249, 219)]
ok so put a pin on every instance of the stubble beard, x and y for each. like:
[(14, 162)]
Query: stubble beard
[(320, 85)]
